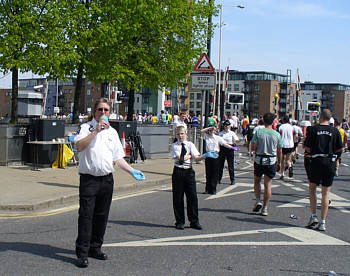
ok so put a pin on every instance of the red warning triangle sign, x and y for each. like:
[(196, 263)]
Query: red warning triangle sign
[(203, 64)]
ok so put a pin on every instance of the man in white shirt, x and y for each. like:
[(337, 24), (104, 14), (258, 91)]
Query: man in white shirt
[(234, 122), (99, 149), (287, 133), (180, 122), (227, 154)]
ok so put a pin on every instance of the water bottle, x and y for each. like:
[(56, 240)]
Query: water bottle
[(332, 273), (105, 118)]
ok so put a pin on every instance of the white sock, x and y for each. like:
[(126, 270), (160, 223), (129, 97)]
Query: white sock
[(323, 221)]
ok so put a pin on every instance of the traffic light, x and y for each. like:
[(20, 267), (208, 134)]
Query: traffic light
[(236, 98), (313, 106)]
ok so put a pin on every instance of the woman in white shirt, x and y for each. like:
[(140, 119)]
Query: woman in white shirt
[(213, 143)]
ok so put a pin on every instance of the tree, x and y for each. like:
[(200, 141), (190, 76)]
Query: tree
[(150, 43), (25, 31)]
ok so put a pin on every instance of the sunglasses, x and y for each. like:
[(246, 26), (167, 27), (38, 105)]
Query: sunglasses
[(103, 109)]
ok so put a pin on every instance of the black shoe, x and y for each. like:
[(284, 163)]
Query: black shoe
[(82, 262), (196, 226), (205, 193), (98, 255), (233, 182), (179, 226)]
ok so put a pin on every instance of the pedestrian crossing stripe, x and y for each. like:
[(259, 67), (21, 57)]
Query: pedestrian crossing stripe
[(338, 202), (300, 236)]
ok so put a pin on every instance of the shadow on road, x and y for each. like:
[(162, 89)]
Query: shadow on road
[(42, 250), (59, 185), (138, 223)]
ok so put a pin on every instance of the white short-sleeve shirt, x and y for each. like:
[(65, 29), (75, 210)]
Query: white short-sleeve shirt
[(287, 134), (190, 149), (97, 158), (213, 142), (229, 136)]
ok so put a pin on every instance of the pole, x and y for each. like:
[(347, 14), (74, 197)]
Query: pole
[(56, 95), (207, 91), (219, 82)]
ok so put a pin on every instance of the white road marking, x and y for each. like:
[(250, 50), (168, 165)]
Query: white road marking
[(225, 192), (338, 202), (302, 236), (345, 165)]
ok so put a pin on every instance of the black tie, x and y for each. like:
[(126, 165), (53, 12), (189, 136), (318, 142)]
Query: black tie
[(183, 153)]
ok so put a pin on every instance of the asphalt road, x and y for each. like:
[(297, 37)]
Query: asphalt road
[(141, 238)]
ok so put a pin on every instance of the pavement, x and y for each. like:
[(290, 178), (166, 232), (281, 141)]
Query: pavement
[(24, 190)]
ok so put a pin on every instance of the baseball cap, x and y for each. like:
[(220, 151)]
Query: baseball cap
[(226, 123), (211, 123)]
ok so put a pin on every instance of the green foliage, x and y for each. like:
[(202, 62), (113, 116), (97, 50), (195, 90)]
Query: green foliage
[(142, 43)]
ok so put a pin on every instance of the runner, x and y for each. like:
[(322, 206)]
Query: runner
[(298, 134), (323, 142), (287, 134), (343, 139), (249, 137), (266, 144)]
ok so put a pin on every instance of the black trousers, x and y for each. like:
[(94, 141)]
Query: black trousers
[(229, 155), (211, 174), (95, 197), (184, 183)]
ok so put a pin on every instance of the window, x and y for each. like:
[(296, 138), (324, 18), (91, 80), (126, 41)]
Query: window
[(146, 100), (191, 96), (236, 87), (191, 104), (199, 96), (275, 88), (199, 104), (137, 99), (229, 87), (314, 96), (257, 87)]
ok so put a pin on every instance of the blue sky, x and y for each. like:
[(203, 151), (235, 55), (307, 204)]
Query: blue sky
[(276, 35)]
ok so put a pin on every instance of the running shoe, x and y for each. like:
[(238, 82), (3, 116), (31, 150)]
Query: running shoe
[(282, 177), (336, 173), (290, 172), (257, 206), (264, 211), (312, 222), (321, 227)]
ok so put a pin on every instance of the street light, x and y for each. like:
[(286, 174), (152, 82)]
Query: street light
[(275, 102), (220, 110)]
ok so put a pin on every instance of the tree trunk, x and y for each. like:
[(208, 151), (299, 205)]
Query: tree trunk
[(77, 94), (131, 104), (14, 97)]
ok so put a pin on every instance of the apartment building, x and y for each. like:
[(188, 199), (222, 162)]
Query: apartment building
[(259, 89), (334, 96)]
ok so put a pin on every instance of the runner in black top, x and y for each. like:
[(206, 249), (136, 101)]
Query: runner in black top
[(322, 142)]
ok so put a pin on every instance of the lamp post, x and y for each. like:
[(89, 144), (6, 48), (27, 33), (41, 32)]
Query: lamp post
[(221, 98)]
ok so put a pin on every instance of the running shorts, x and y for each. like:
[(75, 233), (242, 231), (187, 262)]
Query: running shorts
[(322, 171), (268, 170)]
